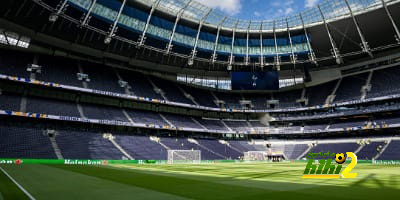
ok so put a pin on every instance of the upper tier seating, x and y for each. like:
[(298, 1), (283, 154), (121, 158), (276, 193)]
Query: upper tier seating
[(237, 125), (97, 73), (139, 84), (10, 102), (171, 91), (350, 87), (288, 99), (346, 125), (202, 97), (51, 107), (317, 94), (102, 112), (182, 121), (259, 101), (15, 64), (212, 124), (146, 117), (256, 124), (385, 82), (64, 71), (232, 101), (59, 70)]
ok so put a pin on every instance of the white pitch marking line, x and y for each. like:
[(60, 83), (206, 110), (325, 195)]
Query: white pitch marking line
[(18, 185)]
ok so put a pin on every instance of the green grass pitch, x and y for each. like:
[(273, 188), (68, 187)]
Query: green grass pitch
[(206, 181)]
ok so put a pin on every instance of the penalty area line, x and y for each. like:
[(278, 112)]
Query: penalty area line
[(17, 184)]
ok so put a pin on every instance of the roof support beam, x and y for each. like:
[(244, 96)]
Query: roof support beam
[(178, 17), (247, 58), (142, 38), (194, 51), (231, 57), (277, 57), (61, 8), (364, 43), (86, 17), (113, 28), (214, 56), (396, 29), (335, 51), (293, 57), (261, 48), (311, 55)]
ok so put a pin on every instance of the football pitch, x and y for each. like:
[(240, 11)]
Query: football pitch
[(205, 181)]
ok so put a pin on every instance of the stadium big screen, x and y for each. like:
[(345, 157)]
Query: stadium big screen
[(268, 80)]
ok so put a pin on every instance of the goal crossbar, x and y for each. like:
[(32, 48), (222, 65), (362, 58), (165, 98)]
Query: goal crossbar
[(184, 156)]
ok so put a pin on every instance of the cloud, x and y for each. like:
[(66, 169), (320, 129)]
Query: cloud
[(288, 11), (232, 7), (282, 3), (310, 3)]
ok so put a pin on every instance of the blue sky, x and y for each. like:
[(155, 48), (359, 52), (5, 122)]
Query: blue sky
[(260, 9)]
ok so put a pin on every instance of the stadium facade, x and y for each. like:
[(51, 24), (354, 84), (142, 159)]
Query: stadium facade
[(110, 79)]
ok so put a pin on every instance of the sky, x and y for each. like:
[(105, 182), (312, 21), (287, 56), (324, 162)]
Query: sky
[(260, 9)]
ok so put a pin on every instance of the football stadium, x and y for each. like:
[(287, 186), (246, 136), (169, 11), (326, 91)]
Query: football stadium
[(179, 99)]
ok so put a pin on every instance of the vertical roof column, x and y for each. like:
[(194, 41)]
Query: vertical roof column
[(293, 57), (142, 38), (86, 17), (61, 8), (335, 51), (194, 51), (261, 47), (277, 57), (113, 28), (214, 56), (178, 17), (231, 57), (311, 55), (396, 29), (247, 58), (364, 43)]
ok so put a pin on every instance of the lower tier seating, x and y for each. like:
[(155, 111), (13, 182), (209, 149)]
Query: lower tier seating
[(22, 142)]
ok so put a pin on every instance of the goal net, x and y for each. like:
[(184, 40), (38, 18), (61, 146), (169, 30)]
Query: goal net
[(184, 156), (255, 155)]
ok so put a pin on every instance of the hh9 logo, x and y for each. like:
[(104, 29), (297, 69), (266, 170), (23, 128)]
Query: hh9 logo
[(327, 170)]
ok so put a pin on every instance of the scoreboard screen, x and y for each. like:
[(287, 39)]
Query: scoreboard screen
[(255, 80)]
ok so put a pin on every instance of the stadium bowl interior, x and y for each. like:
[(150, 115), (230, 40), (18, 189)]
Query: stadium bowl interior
[(145, 86)]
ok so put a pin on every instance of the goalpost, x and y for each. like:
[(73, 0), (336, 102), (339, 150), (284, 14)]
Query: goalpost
[(255, 155), (184, 156)]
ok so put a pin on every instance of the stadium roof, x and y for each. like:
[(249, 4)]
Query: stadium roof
[(331, 10)]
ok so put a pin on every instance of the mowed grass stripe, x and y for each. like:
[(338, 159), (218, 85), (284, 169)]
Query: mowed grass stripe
[(46, 182), (8, 190), (193, 182), (185, 187), (221, 188), (290, 176)]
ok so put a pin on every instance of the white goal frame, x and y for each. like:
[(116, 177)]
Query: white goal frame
[(255, 156), (184, 157)]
